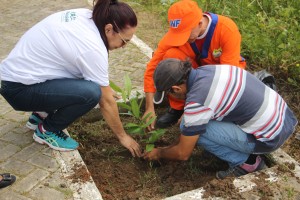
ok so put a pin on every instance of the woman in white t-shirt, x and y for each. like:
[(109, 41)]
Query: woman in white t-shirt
[(59, 70)]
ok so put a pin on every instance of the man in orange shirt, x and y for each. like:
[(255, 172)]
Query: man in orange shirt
[(203, 38)]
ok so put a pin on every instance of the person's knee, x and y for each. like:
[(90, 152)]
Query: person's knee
[(93, 93)]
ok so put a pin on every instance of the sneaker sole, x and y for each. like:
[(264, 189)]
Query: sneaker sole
[(41, 141), (31, 126)]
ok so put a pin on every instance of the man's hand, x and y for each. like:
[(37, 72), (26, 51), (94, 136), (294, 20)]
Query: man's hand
[(131, 145), (180, 151), (151, 127), (152, 155)]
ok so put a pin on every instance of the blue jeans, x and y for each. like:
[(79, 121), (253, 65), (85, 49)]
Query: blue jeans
[(228, 142), (64, 99)]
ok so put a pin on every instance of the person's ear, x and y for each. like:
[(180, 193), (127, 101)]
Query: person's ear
[(108, 29), (200, 23), (176, 88)]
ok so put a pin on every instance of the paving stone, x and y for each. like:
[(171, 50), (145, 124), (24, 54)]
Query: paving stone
[(5, 108), (3, 144), (44, 162), (11, 195), (17, 116), (45, 193), (2, 121), (18, 139), (56, 180), (22, 129), (7, 126), (48, 152), (31, 180), (17, 167), (8, 151), (29, 151)]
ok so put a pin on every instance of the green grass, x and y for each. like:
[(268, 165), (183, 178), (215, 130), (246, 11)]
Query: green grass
[(270, 30)]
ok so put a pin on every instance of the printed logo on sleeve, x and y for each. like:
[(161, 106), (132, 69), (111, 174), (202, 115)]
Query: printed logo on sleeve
[(68, 16), (217, 52), (175, 23)]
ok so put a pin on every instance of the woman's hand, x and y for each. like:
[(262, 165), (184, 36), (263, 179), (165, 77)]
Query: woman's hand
[(131, 145)]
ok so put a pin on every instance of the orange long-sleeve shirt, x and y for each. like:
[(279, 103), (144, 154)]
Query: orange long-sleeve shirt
[(221, 45)]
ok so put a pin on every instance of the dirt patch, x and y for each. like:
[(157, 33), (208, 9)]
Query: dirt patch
[(221, 189), (120, 176), (80, 174)]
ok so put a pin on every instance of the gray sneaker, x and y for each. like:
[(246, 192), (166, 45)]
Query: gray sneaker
[(242, 169)]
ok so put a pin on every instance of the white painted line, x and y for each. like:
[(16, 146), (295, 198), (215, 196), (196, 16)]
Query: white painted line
[(145, 49)]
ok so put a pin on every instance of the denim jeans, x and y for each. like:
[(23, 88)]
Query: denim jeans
[(64, 99), (228, 142)]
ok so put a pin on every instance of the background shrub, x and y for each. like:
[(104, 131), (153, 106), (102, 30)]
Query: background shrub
[(270, 31)]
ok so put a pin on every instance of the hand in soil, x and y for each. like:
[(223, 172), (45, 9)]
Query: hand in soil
[(131, 145), (152, 155)]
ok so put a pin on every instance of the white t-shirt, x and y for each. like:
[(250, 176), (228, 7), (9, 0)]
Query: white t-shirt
[(66, 44)]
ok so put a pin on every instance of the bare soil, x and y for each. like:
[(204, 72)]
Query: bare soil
[(120, 176)]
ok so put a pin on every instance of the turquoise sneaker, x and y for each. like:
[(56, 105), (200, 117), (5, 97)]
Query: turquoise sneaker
[(33, 121), (55, 140)]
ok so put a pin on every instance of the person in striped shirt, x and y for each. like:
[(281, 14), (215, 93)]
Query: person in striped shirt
[(228, 111)]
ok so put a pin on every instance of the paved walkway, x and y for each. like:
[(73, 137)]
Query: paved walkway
[(41, 172)]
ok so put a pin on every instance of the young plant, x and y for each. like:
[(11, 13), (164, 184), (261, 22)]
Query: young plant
[(132, 104)]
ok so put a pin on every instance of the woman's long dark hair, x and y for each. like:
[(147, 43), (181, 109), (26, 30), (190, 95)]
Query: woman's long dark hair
[(112, 12)]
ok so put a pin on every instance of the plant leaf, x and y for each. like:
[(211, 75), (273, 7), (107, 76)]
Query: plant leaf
[(155, 135), (149, 147), (136, 130), (146, 117), (127, 85), (115, 87), (135, 108), (150, 121), (131, 125), (124, 105), (141, 102)]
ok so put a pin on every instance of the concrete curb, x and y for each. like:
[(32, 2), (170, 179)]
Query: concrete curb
[(245, 183), (81, 190)]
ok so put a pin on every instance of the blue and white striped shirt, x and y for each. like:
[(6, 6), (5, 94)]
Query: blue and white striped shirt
[(229, 93)]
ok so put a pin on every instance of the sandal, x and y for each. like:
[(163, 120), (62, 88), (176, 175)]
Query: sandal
[(7, 179)]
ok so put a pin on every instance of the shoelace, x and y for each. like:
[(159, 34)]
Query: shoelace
[(61, 134)]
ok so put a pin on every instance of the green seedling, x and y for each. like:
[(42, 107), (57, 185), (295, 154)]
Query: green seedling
[(132, 104)]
